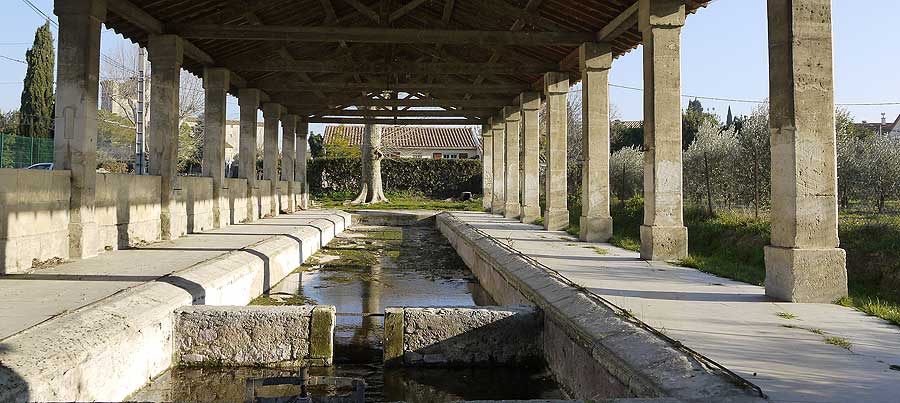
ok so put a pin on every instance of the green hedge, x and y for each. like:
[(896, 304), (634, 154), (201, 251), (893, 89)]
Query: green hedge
[(435, 178)]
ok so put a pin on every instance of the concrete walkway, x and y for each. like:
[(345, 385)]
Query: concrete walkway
[(29, 299), (730, 322)]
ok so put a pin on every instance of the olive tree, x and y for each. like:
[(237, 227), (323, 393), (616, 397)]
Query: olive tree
[(626, 172), (709, 163)]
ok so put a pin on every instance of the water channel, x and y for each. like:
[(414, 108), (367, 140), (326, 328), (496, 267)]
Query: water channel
[(361, 272)]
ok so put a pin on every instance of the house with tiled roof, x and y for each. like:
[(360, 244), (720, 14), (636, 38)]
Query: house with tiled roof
[(412, 141), (890, 129)]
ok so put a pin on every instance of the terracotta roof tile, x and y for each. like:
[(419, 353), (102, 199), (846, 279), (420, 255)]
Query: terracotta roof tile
[(452, 138)]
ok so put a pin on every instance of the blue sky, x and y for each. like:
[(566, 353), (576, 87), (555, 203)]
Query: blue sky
[(724, 55)]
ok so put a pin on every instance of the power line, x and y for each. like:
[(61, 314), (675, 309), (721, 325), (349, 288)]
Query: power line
[(39, 11), (12, 59)]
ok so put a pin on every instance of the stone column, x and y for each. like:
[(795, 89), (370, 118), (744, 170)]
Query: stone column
[(166, 56), (271, 117), (531, 188), (556, 215), (663, 234), (288, 156), (803, 262), (75, 142), (596, 223), (248, 99), (302, 157), (512, 208), (487, 159), (498, 201), (216, 84)]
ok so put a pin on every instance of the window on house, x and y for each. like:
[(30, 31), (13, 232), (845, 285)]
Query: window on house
[(451, 156), (463, 156)]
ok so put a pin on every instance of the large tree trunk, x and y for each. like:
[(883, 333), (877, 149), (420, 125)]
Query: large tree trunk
[(371, 189)]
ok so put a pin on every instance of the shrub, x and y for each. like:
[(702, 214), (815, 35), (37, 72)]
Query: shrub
[(433, 178)]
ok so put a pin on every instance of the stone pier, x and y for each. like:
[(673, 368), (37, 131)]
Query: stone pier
[(300, 163), (803, 263), (512, 208), (596, 222), (556, 215), (663, 234), (288, 156), (498, 200), (75, 142), (166, 56), (530, 102), (248, 100), (271, 117), (216, 85), (487, 170)]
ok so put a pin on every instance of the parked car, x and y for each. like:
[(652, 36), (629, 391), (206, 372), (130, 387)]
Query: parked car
[(43, 165)]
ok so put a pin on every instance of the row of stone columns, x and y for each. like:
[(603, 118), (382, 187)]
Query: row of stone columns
[(803, 264), (76, 121)]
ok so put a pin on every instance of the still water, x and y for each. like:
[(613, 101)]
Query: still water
[(361, 272)]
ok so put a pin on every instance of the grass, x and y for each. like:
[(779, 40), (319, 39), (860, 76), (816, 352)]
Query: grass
[(785, 315), (399, 201), (839, 341), (731, 245)]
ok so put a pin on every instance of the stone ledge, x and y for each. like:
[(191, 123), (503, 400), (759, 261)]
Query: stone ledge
[(645, 364)]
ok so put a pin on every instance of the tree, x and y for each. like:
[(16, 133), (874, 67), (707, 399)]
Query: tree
[(339, 145), (729, 121), (190, 152), (882, 169), (626, 172), (371, 189), (36, 112), (9, 121), (755, 162), (708, 163), (691, 121), (316, 145)]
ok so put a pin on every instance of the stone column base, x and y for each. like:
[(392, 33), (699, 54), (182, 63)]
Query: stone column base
[(556, 219), (497, 207), (530, 214), (83, 242), (596, 229), (806, 275), (512, 210), (663, 243)]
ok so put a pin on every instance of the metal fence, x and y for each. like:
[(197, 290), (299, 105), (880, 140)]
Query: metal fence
[(22, 152)]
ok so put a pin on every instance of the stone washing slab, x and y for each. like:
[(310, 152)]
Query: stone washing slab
[(107, 348), (627, 358)]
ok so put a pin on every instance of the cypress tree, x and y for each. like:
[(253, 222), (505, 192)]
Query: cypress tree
[(36, 112), (730, 119)]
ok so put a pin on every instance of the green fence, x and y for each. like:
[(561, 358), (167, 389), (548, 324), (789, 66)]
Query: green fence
[(22, 152)]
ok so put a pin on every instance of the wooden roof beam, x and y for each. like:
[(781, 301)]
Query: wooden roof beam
[(381, 35), (377, 87), (439, 68), (140, 18)]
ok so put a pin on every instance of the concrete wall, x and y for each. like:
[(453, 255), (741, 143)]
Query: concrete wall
[(195, 196), (127, 210), (264, 197), (34, 217), (594, 351), (254, 335), (284, 198), (105, 351), (469, 336), (234, 205)]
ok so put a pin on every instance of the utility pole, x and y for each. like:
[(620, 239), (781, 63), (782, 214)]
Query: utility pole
[(140, 164)]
